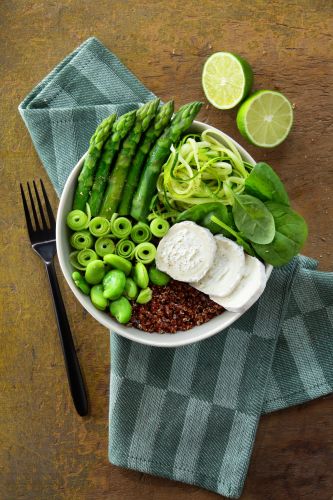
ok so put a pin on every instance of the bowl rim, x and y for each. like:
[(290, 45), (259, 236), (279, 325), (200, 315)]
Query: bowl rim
[(152, 339)]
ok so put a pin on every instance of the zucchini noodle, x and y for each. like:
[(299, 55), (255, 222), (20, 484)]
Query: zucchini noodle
[(159, 227), (99, 226), (140, 233), (125, 248), (104, 245), (77, 220), (74, 262), (121, 227), (201, 169), (145, 252), (85, 256), (81, 240)]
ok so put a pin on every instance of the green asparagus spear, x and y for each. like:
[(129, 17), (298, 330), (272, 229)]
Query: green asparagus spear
[(85, 179), (155, 130), (119, 130), (117, 179), (157, 156)]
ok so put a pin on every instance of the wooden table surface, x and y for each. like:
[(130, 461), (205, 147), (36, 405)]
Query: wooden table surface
[(46, 450)]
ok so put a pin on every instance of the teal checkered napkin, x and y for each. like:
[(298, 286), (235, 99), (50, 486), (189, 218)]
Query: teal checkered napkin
[(63, 111), (190, 413)]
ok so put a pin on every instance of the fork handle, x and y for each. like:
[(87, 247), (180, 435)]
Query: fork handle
[(74, 374)]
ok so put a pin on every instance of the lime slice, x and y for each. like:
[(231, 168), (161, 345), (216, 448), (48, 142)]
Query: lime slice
[(265, 118), (226, 79)]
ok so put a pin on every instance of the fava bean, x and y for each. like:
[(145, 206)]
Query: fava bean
[(144, 296), (95, 272), (131, 289), (121, 309), (97, 297), (114, 283), (140, 275), (81, 283), (158, 277), (118, 263)]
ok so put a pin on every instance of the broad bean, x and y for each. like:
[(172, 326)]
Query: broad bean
[(131, 289), (114, 284), (144, 296), (121, 309), (158, 277), (118, 263), (81, 283), (140, 275), (97, 297), (95, 272)]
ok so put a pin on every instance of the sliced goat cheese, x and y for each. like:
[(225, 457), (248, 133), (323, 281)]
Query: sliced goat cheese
[(227, 269), (186, 252), (248, 289)]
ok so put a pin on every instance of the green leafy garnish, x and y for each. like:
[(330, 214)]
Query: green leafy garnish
[(265, 184), (253, 219), (290, 234)]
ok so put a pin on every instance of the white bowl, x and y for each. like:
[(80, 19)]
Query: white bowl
[(197, 333)]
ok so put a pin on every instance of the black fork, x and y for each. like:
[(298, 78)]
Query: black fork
[(42, 237)]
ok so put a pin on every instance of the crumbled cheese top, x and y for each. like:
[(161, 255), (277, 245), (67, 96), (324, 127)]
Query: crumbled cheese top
[(186, 252)]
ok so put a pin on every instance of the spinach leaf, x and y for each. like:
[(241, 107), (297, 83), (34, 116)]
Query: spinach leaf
[(202, 213), (291, 233), (227, 230), (222, 213), (266, 185), (253, 219)]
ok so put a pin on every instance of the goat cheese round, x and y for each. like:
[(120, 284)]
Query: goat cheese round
[(248, 290), (186, 252), (226, 271)]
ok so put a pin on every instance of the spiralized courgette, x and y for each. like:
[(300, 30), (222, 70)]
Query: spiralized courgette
[(145, 252), (201, 169), (99, 226), (121, 227), (81, 240), (85, 256), (125, 248), (104, 246), (141, 233)]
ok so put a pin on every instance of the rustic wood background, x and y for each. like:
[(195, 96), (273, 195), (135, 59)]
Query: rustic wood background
[(46, 450)]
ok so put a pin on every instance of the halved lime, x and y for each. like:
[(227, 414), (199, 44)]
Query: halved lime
[(226, 79), (265, 118)]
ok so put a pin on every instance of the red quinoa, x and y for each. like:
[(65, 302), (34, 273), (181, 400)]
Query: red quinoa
[(176, 306)]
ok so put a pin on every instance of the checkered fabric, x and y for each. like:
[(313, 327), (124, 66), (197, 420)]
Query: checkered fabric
[(190, 413)]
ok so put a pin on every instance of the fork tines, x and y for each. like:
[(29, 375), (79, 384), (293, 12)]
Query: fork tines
[(42, 227)]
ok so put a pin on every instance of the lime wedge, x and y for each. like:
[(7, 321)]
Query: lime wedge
[(265, 118), (226, 79)]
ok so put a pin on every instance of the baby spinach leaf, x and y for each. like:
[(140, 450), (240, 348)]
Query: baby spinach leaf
[(291, 233), (202, 213), (264, 183), (253, 219), (227, 231)]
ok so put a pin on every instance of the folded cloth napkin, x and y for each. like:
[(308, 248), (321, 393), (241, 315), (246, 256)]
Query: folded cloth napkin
[(189, 413)]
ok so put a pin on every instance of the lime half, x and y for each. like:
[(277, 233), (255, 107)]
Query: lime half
[(226, 79), (265, 118)]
